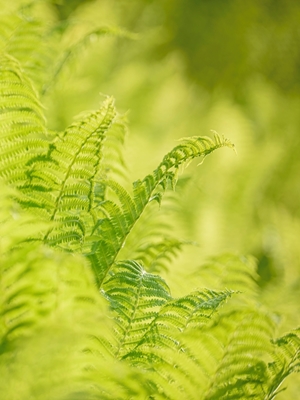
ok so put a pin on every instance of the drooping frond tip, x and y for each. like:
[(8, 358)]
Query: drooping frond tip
[(190, 148), (201, 146)]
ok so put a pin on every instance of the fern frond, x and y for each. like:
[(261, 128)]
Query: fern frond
[(29, 274), (26, 39), (56, 339), (135, 296), (150, 325), (165, 174), (61, 185), (150, 189), (74, 49), (243, 368), (178, 315), (228, 270), (162, 351), (22, 123), (286, 361)]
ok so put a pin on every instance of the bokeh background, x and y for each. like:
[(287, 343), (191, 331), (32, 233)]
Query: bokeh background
[(189, 67)]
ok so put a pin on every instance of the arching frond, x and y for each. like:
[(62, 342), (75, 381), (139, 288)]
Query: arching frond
[(151, 188)]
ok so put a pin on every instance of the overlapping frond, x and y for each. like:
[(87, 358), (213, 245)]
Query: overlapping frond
[(36, 283), (56, 338), (178, 315), (163, 351)]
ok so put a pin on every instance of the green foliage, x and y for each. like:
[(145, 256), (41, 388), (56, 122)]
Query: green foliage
[(77, 320)]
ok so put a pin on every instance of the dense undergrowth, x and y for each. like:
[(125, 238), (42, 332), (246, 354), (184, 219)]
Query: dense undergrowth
[(86, 256)]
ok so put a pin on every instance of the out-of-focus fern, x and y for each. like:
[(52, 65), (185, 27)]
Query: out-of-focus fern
[(27, 40), (156, 256), (22, 123), (287, 361)]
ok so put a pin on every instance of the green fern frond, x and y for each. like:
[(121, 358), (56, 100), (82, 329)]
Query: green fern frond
[(163, 353), (286, 361), (27, 40), (185, 370), (150, 326), (29, 274), (243, 368), (236, 272), (61, 184), (136, 297), (22, 124), (177, 315), (103, 255), (31, 295), (166, 173), (53, 322)]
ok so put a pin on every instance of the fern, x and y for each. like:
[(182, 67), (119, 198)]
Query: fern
[(26, 37), (119, 221), (135, 296), (21, 120), (150, 322), (287, 361), (77, 321), (51, 317), (74, 49), (227, 270)]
